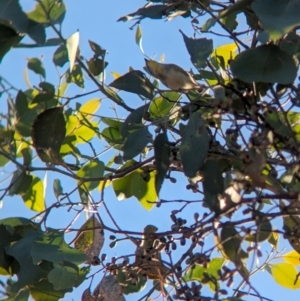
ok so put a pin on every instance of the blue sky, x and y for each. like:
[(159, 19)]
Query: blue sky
[(96, 21)]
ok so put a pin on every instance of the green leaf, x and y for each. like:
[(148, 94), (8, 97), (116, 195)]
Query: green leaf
[(194, 145), (162, 106), (135, 82), (20, 183), (211, 270), (113, 137), (162, 153), (57, 188), (90, 241), (285, 275), (60, 56), (213, 184), (96, 66), (63, 276), (264, 228), (135, 142), (209, 23), (76, 76), (51, 247), (48, 12), (36, 66), (12, 15), (230, 22), (91, 170), (17, 221), (231, 243), (138, 37), (139, 184), (72, 48), (48, 134), (277, 18), (43, 290), (199, 49), (266, 63), (34, 197)]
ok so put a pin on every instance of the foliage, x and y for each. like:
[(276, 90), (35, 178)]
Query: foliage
[(236, 143)]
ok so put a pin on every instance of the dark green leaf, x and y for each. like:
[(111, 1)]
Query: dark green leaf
[(9, 38), (162, 152), (97, 49), (37, 32), (134, 120), (52, 247), (213, 184), (135, 82), (135, 142), (21, 103), (29, 273), (277, 18), (63, 276), (48, 134), (194, 145), (153, 11), (12, 15), (266, 63), (20, 183), (199, 49)]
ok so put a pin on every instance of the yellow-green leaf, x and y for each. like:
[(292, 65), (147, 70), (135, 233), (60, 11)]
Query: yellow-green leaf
[(91, 170), (226, 51), (34, 197), (88, 108), (85, 133), (285, 274), (292, 257)]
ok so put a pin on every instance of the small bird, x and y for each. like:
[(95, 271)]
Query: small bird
[(172, 76)]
